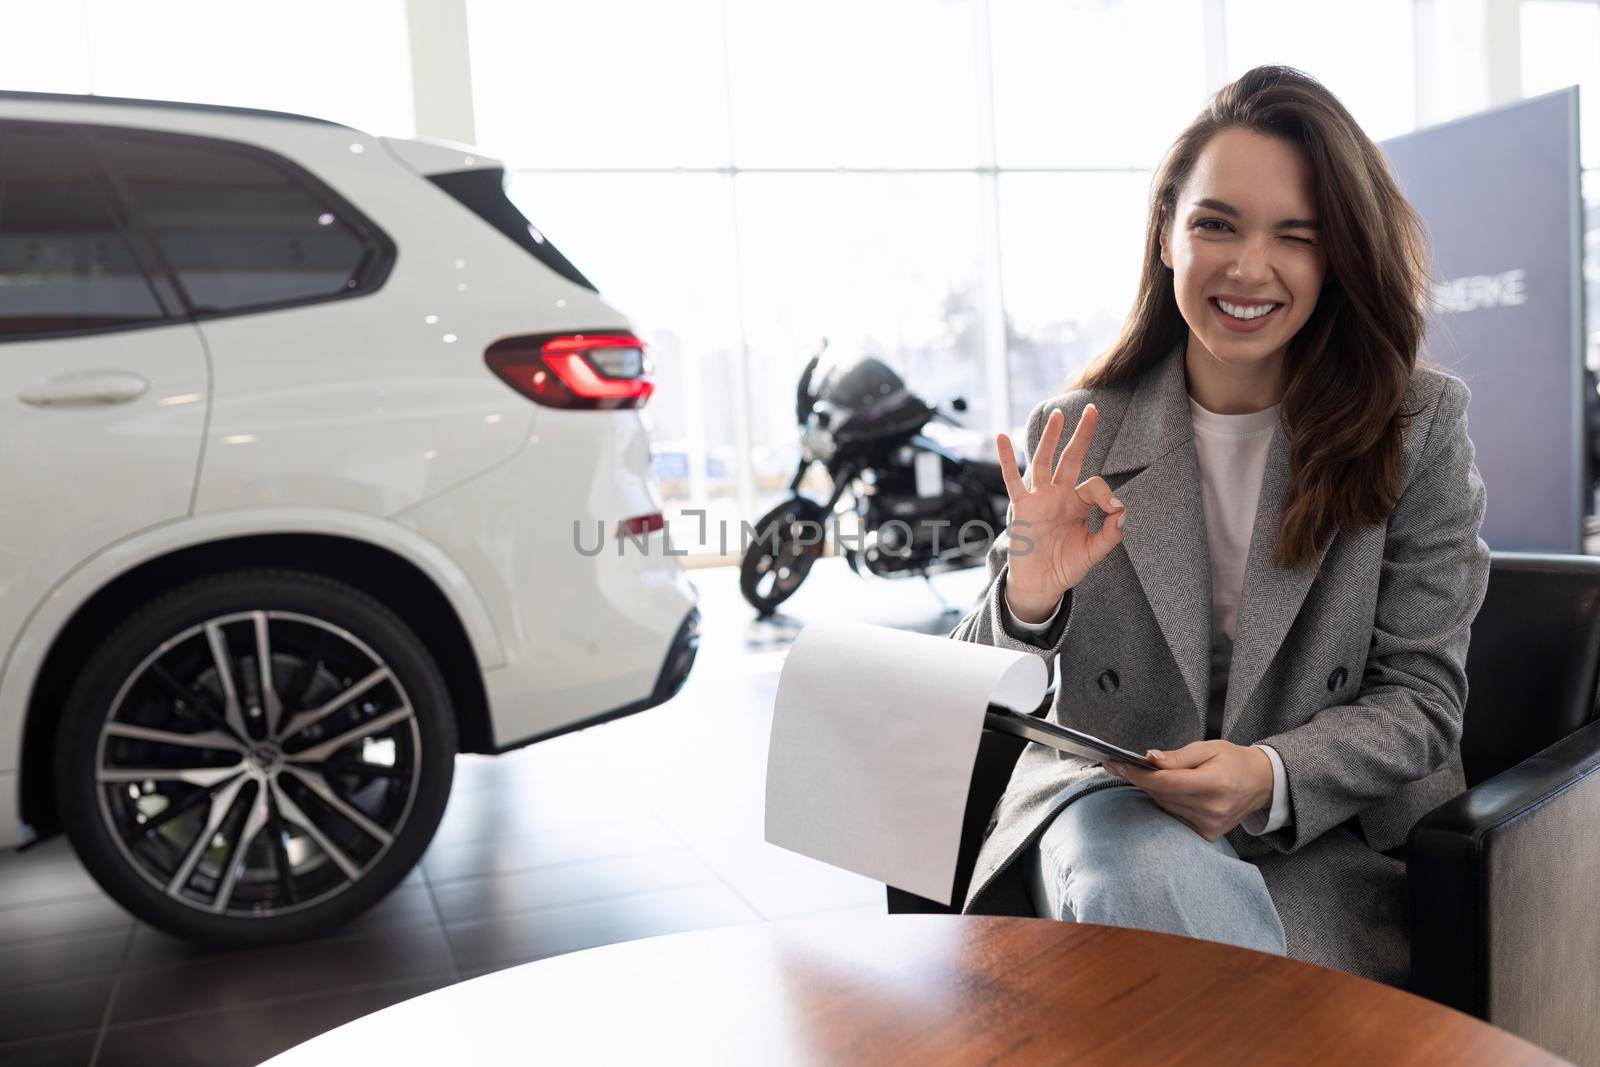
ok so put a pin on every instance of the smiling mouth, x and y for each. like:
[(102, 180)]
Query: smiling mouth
[(1259, 320), (1245, 312)]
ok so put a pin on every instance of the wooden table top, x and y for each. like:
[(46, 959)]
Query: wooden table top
[(920, 989)]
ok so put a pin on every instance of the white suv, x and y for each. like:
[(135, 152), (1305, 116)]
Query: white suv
[(321, 465)]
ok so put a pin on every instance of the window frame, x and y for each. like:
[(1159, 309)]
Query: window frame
[(373, 272), (162, 291)]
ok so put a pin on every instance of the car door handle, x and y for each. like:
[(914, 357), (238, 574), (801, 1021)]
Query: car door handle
[(79, 388)]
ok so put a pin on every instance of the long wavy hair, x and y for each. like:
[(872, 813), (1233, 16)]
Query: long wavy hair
[(1349, 366)]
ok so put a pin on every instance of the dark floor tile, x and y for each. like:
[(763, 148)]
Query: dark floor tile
[(54, 1008), (578, 829), (61, 959), (66, 1050), (569, 883), (248, 1036), (236, 980), (408, 907), (551, 932), (57, 918), (450, 861)]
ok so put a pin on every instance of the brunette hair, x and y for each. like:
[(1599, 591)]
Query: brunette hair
[(1348, 368)]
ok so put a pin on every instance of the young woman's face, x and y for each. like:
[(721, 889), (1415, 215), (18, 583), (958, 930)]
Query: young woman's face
[(1243, 234)]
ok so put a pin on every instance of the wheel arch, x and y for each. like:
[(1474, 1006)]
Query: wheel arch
[(397, 582)]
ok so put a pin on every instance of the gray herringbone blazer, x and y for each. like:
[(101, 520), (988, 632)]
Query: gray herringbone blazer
[(1356, 677)]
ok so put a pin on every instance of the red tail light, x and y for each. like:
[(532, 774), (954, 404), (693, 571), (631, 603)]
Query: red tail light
[(592, 371), (640, 525)]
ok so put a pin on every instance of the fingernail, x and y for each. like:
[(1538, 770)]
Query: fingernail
[(1155, 754), (1122, 520), (1116, 503)]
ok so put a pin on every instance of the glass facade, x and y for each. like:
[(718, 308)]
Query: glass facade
[(955, 186)]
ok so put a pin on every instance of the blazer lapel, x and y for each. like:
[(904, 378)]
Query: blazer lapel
[(1166, 540), (1271, 596), (1165, 537)]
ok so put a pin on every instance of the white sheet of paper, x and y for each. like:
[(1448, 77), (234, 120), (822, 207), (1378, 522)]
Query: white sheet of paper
[(874, 735)]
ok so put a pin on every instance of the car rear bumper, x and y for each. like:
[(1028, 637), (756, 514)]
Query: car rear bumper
[(587, 620), (674, 672)]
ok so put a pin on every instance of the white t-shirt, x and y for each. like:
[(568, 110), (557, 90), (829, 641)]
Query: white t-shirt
[(1232, 450)]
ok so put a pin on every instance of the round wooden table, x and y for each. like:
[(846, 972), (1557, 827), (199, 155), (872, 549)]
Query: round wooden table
[(919, 989)]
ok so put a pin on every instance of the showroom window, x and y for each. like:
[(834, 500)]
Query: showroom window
[(65, 268), (1063, 310), (1056, 68), (852, 259), (1561, 47), (971, 210), (1366, 56), (348, 62), (240, 229)]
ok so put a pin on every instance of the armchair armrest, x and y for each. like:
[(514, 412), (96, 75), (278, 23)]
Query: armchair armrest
[(991, 771), (1503, 916)]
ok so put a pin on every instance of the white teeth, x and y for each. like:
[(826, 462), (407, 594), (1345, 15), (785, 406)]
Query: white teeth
[(1245, 313)]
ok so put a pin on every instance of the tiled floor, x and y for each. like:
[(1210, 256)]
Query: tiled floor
[(649, 825)]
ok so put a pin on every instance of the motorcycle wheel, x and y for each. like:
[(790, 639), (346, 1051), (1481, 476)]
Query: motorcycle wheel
[(774, 566)]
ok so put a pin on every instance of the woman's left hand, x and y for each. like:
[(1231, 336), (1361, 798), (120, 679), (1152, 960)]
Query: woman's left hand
[(1210, 785)]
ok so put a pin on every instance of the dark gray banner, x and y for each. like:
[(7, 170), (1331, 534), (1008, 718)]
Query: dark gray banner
[(1500, 191)]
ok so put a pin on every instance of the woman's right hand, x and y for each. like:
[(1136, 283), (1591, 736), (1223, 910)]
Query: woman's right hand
[(1054, 516)]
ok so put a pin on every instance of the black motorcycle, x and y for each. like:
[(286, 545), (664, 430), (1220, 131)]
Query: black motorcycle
[(920, 508)]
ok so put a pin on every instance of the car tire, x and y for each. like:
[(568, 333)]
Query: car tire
[(333, 775)]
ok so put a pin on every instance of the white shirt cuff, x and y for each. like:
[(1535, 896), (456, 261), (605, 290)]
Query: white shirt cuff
[(1035, 627), (1276, 813)]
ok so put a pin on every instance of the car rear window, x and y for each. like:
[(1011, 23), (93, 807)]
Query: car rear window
[(243, 229), (483, 192)]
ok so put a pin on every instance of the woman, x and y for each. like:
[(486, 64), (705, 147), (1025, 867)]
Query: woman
[(1258, 555)]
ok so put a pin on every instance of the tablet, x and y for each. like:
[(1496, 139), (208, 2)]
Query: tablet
[(1009, 721)]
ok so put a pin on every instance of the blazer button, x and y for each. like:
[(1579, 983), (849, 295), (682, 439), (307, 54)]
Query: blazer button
[(1108, 681), (1337, 678)]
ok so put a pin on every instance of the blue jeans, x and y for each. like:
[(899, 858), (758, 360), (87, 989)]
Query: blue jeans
[(1114, 857)]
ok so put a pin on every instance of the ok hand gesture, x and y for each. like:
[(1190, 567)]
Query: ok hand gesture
[(1054, 516)]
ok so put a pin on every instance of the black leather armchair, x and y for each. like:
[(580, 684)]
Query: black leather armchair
[(1502, 927)]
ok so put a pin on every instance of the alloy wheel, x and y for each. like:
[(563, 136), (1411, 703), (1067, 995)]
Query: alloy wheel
[(258, 763)]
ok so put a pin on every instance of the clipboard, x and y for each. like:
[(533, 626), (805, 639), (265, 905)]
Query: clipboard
[(1064, 738)]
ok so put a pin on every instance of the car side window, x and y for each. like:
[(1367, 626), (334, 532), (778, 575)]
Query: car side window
[(65, 266), (239, 227)]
